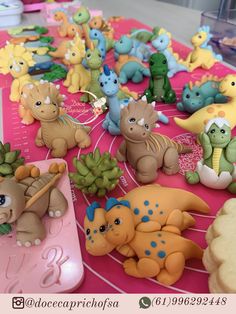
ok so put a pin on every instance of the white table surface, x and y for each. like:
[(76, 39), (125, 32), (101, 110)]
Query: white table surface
[(181, 22)]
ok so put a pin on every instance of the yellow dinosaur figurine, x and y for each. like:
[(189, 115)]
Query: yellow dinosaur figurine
[(198, 120), (66, 28), (16, 60), (202, 54), (78, 78)]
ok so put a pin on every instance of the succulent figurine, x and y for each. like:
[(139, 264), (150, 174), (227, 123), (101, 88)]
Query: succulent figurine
[(96, 173), (9, 160), (5, 229), (216, 170)]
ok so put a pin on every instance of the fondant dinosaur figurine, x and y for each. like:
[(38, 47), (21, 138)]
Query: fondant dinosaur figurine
[(162, 42), (198, 120), (216, 170), (202, 54), (129, 67), (102, 43), (66, 28), (159, 88), (16, 60), (97, 22), (135, 48), (78, 77), (159, 254), (82, 17), (144, 35), (27, 197), (152, 210), (61, 50), (58, 132), (200, 94), (145, 150)]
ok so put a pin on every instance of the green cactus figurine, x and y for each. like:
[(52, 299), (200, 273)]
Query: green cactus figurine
[(96, 173), (9, 160)]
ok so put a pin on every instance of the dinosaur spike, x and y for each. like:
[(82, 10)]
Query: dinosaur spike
[(106, 70), (190, 85), (141, 122), (144, 98), (47, 101)]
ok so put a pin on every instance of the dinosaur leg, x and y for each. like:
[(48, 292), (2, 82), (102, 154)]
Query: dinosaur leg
[(84, 98), (123, 78), (188, 221), (174, 267), (149, 96), (67, 82), (57, 203), (23, 172), (146, 169), (82, 138), (26, 115), (74, 87), (145, 267), (209, 101), (170, 97), (29, 230), (113, 128), (219, 98), (192, 177), (174, 222), (137, 77), (59, 147), (126, 250), (171, 161), (121, 152), (232, 188)]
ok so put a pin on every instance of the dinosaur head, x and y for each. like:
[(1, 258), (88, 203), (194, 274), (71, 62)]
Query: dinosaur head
[(202, 37), (95, 226), (137, 121), (161, 40), (123, 45), (219, 132), (227, 86), (96, 22), (12, 200), (192, 98), (59, 15), (120, 222), (158, 65), (44, 100), (76, 51), (109, 81), (94, 59), (72, 30), (81, 16)]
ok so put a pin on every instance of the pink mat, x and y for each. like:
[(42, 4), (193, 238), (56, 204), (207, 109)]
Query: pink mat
[(105, 274)]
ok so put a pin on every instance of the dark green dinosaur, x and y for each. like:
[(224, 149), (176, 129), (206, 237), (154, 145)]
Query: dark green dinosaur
[(159, 88)]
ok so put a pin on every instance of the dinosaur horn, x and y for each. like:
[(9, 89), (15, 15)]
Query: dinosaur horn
[(144, 98), (91, 46), (141, 122), (47, 101), (106, 70)]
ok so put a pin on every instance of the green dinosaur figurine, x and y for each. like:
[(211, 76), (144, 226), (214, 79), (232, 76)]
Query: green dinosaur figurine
[(216, 170), (159, 85), (96, 173)]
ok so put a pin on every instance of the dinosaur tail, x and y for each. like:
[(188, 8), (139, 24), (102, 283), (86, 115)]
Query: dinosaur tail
[(192, 250), (218, 57), (145, 71), (126, 90), (184, 124), (55, 54), (191, 202), (182, 149)]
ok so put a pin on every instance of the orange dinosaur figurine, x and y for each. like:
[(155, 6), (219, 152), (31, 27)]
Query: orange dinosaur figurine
[(66, 28), (159, 254), (97, 22)]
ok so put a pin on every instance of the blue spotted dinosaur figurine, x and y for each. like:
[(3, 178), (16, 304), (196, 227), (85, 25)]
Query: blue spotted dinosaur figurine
[(152, 209), (133, 47), (201, 94)]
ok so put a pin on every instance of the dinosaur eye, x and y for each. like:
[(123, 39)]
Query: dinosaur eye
[(54, 104), (222, 131), (99, 55), (5, 200), (88, 55), (80, 14), (187, 96), (21, 63), (38, 103), (197, 94), (11, 67), (164, 62), (212, 131), (101, 84), (232, 83), (117, 221), (146, 126), (115, 81), (73, 54), (151, 62), (102, 228), (132, 120), (87, 231), (95, 23), (199, 36), (161, 41), (95, 34), (121, 41)]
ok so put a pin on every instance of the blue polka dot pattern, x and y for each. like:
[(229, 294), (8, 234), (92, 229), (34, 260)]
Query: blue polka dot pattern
[(146, 203), (145, 219), (150, 211), (95, 231), (161, 254), (153, 244), (147, 252), (157, 205), (136, 211)]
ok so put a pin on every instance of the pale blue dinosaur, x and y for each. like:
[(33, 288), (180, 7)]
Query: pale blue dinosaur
[(110, 86), (162, 42), (95, 34), (133, 47)]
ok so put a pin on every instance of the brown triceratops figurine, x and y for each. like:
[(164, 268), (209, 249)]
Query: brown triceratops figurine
[(58, 132), (145, 150), (25, 198)]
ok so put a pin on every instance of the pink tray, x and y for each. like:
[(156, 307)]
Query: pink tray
[(105, 274), (53, 266)]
